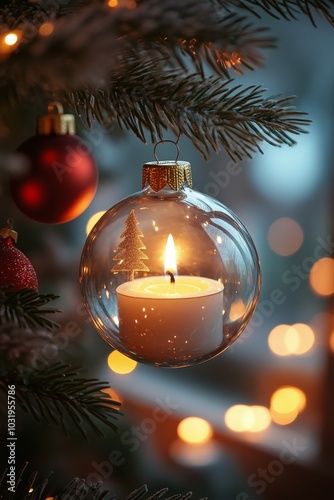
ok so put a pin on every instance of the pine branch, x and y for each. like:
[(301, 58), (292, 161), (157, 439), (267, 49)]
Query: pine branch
[(29, 489), (209, 112), (98, 57), (84, 47), (57, 395), (24, 308), (286, 9)]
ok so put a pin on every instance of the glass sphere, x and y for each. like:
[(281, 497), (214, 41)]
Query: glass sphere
[(131, 300)]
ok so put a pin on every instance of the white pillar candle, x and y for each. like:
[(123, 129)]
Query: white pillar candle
[(170, 322)]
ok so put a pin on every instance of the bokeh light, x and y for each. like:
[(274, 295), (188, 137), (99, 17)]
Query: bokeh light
[(286, 403), (121, 364), (11, 39), (331, 341), (261, 418), (194, 430), (113, 394), (46, 29), (93, 220), (287, 340), (322, 277), (285, 236), (244, 418), (290, 175), (9, 42)]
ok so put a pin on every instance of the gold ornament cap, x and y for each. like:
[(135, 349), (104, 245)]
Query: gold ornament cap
[(7, 231), (167, 172), (55, 122), (157, 174)]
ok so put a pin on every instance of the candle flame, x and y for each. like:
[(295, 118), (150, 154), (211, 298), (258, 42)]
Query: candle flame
[(170, 258)]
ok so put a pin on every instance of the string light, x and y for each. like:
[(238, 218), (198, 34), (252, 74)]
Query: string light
[(46, 29), (112, 394), (128, 4), (9, 42), (11, 39), (244, 418), (194, 430), (121, 364), (287, 340), (321, 277), (93, 220), (286, 403)]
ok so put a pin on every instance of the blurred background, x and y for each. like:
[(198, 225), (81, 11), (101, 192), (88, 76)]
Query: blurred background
[(264, 409)]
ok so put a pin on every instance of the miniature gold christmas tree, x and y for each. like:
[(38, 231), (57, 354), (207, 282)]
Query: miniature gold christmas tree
[(130, 253)]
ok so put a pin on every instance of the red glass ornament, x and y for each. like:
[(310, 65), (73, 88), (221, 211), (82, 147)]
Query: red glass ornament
[(15, 268), (61, 177)]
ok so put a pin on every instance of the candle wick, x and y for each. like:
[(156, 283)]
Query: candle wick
[(172, 279)]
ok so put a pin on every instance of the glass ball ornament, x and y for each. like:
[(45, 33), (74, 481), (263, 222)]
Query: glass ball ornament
[(60, 177), (169, 276)]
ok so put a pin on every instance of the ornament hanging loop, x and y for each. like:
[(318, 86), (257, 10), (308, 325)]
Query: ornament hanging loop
[(163, 141), (55, 105), (7, 231), (56, 121)]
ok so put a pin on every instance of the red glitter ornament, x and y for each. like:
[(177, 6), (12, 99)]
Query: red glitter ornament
[(61, 177), (15, 268)]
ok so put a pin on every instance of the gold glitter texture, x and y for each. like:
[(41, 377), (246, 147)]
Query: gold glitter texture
[(130, 253), (174, 174)]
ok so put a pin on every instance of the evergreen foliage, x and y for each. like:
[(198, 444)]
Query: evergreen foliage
[(158, 66)]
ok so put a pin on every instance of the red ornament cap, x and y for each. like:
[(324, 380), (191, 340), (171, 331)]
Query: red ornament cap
[(16, 269)]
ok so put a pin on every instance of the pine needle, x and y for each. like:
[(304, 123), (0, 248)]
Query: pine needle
[(147, 68), (29, 487), (26, 308), (57, 395), (211, 113)]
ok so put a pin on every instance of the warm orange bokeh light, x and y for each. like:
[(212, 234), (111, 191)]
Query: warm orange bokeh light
[(285, 236), (194, 430), (322, 276), (121, 364), (129, 4), (243, 418), (9, 42), (112, 394), (237, 310), (276, 340), (46, 29), (286, 403), (284, 418), (239, 418), (302, 339), (287, 340), (11, 39), (331, 341), (261, 418), (93, 220)]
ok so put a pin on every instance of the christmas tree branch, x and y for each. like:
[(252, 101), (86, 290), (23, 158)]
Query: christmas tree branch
[(84, 48), (57, 395), (210, 113), (97, 58), (287, 9), (23, 307), (30, 488)]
